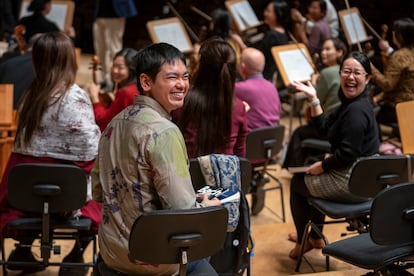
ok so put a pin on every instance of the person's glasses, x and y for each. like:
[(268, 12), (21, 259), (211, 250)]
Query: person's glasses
[(348, 72)]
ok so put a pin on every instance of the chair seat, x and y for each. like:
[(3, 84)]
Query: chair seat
[(36, 224), (337, 210), (362, 252)]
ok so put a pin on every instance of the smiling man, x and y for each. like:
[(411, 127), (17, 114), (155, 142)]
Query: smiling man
[(143, 162)]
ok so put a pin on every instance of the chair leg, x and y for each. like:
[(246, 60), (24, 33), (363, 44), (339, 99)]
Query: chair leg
[(302, 245), (280, 187)]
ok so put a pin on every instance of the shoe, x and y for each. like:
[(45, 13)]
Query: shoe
[(310, 244), (24, 255), (74, 270), (258, 198)]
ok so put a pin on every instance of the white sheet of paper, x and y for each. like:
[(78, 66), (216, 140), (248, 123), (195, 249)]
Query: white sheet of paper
[(355, 28), (244, 15), (296, 65), (172, 33)]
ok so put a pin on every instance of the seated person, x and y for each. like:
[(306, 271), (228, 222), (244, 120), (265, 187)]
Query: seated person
[(263, 107), (37, 22), (213, 119), (397, 81), (320, 30), (326, 84), (55, 125), (260, 95), (143, 163), (123, 76), (353, 133)]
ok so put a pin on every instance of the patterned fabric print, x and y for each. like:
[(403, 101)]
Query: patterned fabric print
[(67, 130), (143, 166), (220, 170), (332, 185)]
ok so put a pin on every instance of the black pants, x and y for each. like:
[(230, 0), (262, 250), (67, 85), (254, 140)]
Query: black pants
[(302, 212)]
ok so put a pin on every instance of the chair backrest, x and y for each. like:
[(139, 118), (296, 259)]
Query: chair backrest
[(64, 187), (372, 174), (405, 113), (156, 236), (198, 178), (392, 215), (264, 143)]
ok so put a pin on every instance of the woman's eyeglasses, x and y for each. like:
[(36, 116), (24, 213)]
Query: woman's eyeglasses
[(348, 72)]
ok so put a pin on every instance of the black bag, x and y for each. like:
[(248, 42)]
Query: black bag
[(234, 257)]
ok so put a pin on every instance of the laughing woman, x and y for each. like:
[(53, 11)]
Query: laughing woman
[(353, 133)]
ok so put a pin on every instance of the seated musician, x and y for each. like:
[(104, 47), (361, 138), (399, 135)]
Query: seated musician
[(397, 81), (55, 125), (326, 83), (123, 76)]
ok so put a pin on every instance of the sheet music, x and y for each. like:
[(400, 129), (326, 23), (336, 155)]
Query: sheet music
[(355, 28), (244, 15), (173, 34), (296, 66)]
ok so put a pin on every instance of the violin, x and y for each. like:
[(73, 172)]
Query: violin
[(384, 55), (104, 98), (18, 33)]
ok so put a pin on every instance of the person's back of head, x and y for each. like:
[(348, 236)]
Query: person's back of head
[(209, 103), (221, 21), (38, 6), (404, 32), (282, 12), (150, 59), (252, 62), (54, 63)]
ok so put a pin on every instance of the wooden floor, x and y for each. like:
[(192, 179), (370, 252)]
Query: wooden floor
[(269, 232)]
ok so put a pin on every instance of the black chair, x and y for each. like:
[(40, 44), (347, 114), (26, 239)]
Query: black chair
[(388, 248), (235, 256), (369, 176), (48, 190), (262, 147), (178, 236)]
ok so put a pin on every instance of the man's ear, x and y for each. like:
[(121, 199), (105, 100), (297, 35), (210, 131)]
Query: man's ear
[(146, 82)]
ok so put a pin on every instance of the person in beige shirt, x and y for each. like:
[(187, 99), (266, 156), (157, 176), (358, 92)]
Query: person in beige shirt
[(143, 162)]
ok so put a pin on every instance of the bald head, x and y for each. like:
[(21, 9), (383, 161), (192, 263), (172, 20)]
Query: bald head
[(253, 60)]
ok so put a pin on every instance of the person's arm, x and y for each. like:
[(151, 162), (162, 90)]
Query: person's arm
[(310, 92), (392, 74), (240, 145)]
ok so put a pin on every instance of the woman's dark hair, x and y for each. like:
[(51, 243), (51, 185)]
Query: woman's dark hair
[(282, 11), (361, 58), (221, 23), (404, 31), (209, 103), (339, 46), (54, 64), (37, 6), (322, 5), (130, 61), (150, 59)]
